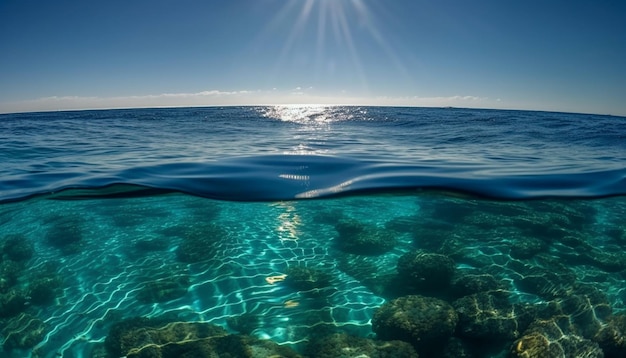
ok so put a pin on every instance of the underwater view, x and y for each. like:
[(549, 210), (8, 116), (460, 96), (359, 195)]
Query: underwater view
[(312, 232)]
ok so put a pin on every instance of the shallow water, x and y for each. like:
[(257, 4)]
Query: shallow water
[(109, 259), (112, 215)]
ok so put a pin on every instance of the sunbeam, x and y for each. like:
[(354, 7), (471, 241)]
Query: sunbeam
[(326, 37)]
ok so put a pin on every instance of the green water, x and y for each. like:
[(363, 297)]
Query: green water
[(294, 271)]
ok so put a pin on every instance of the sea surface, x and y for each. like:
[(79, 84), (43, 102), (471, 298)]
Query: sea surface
[(313, 231)]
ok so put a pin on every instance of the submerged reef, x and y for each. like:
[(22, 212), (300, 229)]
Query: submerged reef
[(491, 316), (245, 323), (425, 322), (66, 233), (305, 278), (200, 242), (422, 271), (163, 290), (24, 291), (341, 345), (355, 237), (44, 287), (521, 280), (10, 271), (17, 248), (22, 332), (612, 336), (449, 277), (165, 338), (12, 303), (554, 338)]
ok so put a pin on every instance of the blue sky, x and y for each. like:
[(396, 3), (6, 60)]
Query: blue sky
[(534, 54)]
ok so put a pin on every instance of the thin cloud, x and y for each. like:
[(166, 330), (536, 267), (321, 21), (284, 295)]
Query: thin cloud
[(237, 98), (202, 98)]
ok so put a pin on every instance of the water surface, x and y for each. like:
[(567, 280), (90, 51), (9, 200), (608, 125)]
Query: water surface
[(142, 218)]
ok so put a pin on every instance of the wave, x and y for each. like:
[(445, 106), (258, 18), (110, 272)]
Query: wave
[(294, 177)]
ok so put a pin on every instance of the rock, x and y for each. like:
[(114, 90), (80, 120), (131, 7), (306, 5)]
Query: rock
[(545, 283), (358, 238), (470, 283), (66, 234), (341, 345), (457, 348), (612, 337), (305, 278), (244, 324), (490, 316), (527, 247), (142, 337), (23, 332), (163, 290), (44, 288), (9, 273), (134, 335), (425, 322), (12, 303), (200, 243), (18, 247), (554, 338), (426, 271)]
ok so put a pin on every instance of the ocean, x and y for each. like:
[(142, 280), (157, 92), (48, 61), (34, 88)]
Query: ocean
[(312, 231)]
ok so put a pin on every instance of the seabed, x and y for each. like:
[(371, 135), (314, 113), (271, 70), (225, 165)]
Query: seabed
[(176, 275)]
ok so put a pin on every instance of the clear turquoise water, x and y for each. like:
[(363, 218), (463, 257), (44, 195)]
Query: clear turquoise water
[(103, 251), (102, 281)]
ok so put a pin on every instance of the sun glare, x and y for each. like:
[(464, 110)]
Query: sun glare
[(339, 26), (302, 114)]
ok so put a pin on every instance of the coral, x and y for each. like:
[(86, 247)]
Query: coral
[(245, 323), (457, 348), (548, 283), (586, 307), (163, 290), (200, 242), (66, 234), (18, 247), (430, 235), (465, 284), (341, 345), (22, 332), (142, 337), (527, 247), (9, 273), (373, 274), (44, 287), (490, 315), (362, 239), (425, 322), (305, 278), (535, 345), (276, 278), (425, 271), (612, 337), (136, 334), (553, 338), (12, 303)]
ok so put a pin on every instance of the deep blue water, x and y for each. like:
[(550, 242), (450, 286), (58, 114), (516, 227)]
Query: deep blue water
[(197, 215), (277, 153)]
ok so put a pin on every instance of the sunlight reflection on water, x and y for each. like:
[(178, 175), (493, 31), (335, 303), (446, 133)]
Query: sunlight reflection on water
[(302, 114), (315, 120)]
